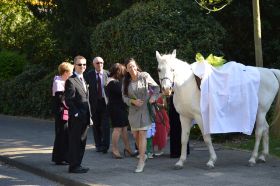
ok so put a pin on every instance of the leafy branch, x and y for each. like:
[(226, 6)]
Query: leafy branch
[(213, 5)]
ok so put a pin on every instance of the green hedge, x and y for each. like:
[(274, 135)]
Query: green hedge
[(28, 94), (11, 64), (157, 25)]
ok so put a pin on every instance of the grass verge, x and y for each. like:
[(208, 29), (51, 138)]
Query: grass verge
[(248, 144)]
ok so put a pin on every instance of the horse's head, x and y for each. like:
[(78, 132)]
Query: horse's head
[(166, 71)]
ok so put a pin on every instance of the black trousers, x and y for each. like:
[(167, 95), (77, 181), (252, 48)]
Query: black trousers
[(60, 147), (101, 125), (175, 131), (76, 145)]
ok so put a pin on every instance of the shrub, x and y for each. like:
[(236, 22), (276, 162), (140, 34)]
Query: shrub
[(11, 64), (31, 90), (157, 25)]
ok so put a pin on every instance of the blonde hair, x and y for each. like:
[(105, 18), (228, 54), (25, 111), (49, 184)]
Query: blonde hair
[(78, 58), (65, 67)]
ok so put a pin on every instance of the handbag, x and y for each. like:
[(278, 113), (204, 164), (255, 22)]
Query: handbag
[(65, 115)]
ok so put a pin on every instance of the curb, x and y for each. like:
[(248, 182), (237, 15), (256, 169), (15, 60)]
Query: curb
[(41, 172)]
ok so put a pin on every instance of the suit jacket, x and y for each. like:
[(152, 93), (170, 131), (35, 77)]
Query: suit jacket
[(90, 78), (77, 99)]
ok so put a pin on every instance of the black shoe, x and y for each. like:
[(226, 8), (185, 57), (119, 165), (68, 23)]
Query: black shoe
[(62, 163), (79, 169), (128, 153), (99, 149), (105, 151)]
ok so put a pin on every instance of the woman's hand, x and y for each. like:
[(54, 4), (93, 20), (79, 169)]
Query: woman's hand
[(137, 102), (152, 100)]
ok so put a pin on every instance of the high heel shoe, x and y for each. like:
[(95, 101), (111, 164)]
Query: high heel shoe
[(141, 165), (128, 153), (116, 156)]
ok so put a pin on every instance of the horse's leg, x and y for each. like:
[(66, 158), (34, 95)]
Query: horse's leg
[(265, 141), (186, 126), (258, 135), (208, 141), (213, 156)]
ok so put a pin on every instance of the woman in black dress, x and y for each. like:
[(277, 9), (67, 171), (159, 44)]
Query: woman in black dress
[(60, 147), (117, 110)]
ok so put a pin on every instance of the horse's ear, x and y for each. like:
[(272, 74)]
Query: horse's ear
[(158, 55), (174, 53)]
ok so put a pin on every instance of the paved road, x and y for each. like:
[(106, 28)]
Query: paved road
[(27, 143), (10, 175)]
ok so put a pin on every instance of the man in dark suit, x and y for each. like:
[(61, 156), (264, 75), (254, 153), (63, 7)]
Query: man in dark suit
[(97, 79), (77, 99)]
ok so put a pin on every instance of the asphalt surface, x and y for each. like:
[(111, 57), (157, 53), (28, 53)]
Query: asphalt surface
[(27, 144), (10, 175)]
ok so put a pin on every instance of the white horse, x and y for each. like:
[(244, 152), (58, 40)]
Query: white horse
[(176, 75)]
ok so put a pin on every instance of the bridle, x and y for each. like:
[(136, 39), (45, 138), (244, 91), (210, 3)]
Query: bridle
[(167, 78)]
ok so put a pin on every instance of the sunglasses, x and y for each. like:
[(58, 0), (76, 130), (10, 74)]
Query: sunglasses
[(99, 63), (81, 64)]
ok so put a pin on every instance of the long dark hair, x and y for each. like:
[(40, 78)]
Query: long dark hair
[(127, 77), (117, 71)]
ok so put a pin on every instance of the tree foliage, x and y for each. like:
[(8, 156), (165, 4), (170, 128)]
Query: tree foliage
[(213, 5), (12, 16), (21, 31), (73, 21), (157, 25), (237, 19)]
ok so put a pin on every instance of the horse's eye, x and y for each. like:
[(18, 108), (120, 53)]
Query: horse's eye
[(158, 70), (172, 70)]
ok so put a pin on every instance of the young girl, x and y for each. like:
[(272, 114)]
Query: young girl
[(162, 126)]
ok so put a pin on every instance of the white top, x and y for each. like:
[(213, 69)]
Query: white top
[(58, 85)]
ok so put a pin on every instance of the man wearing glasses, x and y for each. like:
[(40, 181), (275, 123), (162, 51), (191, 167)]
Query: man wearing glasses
[(97, 79), (77, 99)]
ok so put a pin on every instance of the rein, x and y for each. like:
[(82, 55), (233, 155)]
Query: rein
[(172, 82), (197, 79)]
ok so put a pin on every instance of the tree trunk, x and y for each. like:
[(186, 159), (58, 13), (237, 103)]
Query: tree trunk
[(257, 33)]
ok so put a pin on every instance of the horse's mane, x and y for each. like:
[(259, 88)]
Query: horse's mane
[(167, 57), (182, 68)]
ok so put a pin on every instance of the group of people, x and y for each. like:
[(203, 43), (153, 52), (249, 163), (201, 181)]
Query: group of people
[(124, 96)]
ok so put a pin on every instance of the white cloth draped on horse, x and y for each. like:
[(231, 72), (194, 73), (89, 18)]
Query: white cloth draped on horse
[(229, 97)]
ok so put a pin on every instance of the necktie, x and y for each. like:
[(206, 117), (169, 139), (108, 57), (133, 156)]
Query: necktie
[(99, 88), (84, 85)]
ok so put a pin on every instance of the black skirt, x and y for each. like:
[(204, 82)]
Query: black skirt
[(118, 114)]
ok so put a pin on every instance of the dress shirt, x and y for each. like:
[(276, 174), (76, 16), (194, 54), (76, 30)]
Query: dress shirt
[(81, 77)]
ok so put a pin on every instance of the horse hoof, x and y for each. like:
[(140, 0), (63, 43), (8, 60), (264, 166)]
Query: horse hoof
[(210, 165), (251, 164), (178, 167), (260, 161)]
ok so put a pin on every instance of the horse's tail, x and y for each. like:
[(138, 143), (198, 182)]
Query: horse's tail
[(276, 72)]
